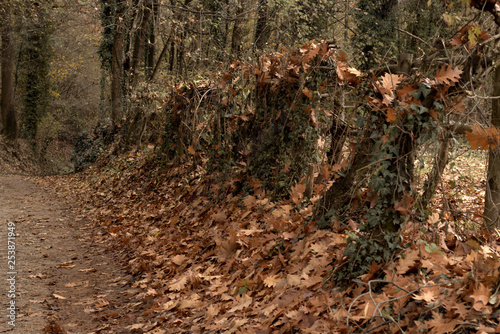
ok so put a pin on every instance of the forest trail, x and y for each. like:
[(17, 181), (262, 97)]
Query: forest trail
[(64, 279)]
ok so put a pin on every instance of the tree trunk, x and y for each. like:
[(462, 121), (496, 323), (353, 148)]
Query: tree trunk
[(492, 199), (151, 43), (160, 59), (343, 190), (7, 104), (117, 66), (236, 45), (139, 42), (437, 171), (261, 29), (36, 62)]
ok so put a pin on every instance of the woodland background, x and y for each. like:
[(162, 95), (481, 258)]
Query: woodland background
[(294, 148)]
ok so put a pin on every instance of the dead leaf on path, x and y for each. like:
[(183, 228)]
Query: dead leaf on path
[(58, 296), (101, 329), (89, 310), (179, 259), (36, 301), (54, 328), (39, 275), (158, 331), (171, 304), (30, 314), (68, 264), (136, 326), (71, 285), (101, 303), (178, 285)]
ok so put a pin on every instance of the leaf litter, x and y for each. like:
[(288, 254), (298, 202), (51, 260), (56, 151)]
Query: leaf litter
[(208, 260)]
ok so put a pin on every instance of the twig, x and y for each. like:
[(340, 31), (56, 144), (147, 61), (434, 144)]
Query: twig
[(484, 97), (385, 323), (416, 37), (378, 305), (491, 39)]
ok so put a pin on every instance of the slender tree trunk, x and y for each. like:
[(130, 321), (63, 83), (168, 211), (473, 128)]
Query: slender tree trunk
[(160, 59), (218, 28), (7, 104), (236, 45), (342, 190), (172, 56), (437, 171), (338, 134), (180, 53), (492, 199), (151, 44), (139, 42), (36, 56), (117, 66), (261, 29)]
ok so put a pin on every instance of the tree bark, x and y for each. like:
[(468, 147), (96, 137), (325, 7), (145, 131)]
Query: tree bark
[(139, 42), (117, 66), (7, 104), (151, 43), (342, 190), (160, 59), (261, 28), (236, 45), (437, 171), (492, 199)]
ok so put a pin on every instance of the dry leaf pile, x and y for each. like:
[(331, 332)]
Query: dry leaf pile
[(208, 259)]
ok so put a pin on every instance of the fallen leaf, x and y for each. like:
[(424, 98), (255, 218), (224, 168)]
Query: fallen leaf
[(271, 281), (482, 137), (448, 76), (179, 259), (68, 264), (307, 93), (428, 294), (101, 303), (481, 297), (179, 284)]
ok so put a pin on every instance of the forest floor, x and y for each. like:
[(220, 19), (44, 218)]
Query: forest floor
[(65, 280), (134, 246)]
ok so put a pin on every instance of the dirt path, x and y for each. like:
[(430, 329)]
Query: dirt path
[(62, 277)]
